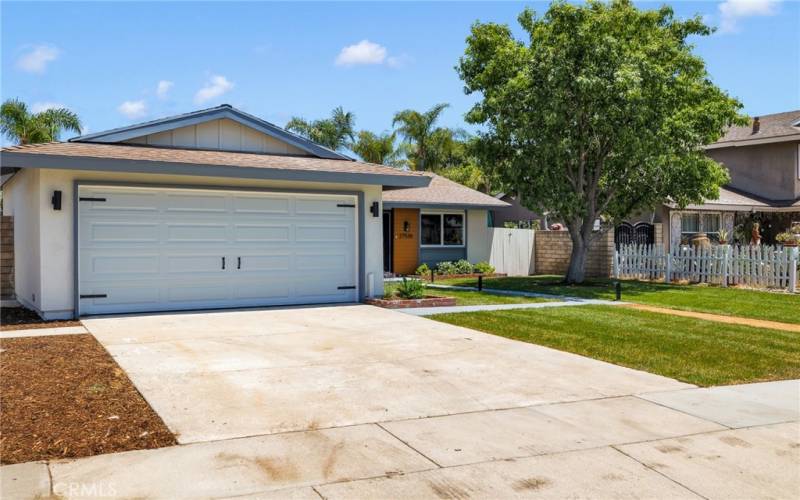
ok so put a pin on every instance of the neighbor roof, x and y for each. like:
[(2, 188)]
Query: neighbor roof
[(440, 192), (735, 199), (147, 159), (778, 127), (205, 115)]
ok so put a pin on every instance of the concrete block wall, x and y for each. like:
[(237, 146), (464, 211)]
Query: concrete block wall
[(6, 257), (553, 250)]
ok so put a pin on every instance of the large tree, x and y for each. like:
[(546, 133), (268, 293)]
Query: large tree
[(603, 112), (336, 132), (22, 126)]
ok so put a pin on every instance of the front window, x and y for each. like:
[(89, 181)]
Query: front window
[(693, 223), (442, 229)]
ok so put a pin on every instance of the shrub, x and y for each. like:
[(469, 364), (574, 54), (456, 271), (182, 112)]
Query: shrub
[(484, 268), (463, 267), (445, 267), (411, 289), (423, 270)]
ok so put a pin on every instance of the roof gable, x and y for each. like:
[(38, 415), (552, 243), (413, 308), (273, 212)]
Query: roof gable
[(158, 128)]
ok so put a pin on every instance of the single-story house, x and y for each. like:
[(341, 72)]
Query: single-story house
[(210, 209), (443, 221)]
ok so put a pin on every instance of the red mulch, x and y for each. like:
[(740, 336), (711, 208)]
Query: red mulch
[(19, 318), (64, 397)]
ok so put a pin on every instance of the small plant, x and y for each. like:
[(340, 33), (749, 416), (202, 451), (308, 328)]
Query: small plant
[(723, 235), (445, 267), (411, 289), (462, 267), (788, 238), (423, 270), (483, 268)]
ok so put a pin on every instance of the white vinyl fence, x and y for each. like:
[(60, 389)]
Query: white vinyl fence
[(512, 251), (760, 266)]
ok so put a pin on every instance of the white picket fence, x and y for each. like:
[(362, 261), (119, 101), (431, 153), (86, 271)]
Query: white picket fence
[(760, 266)]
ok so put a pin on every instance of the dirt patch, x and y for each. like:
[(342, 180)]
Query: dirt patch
[(65, 397), (19, 318), (719, 318)]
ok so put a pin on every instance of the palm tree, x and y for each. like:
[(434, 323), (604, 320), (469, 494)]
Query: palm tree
[(334, 133), (418, 129), (375, 148), (18, 124)]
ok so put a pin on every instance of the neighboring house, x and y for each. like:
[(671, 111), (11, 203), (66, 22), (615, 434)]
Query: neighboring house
[(214, 208), (516, 214), (763, 160), (444, 221)]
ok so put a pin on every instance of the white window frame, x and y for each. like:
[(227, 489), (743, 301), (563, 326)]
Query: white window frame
[(441, 214), (700, 225)]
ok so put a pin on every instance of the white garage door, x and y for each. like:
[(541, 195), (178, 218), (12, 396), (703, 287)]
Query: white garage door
[(147, 249)]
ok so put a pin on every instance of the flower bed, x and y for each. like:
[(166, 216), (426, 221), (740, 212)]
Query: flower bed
[(396, 303), (460, 276)]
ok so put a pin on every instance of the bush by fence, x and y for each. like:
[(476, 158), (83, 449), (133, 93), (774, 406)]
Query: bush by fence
[(757, 266)]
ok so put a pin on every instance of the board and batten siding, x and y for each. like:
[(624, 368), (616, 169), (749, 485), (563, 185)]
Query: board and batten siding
[(222, 134)]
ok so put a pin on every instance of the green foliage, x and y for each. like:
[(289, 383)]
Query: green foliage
[(427, 144), (18, 124), (411, 289), (423, 270), (484, 268), (336, 132), (602, 113), (379, 149), (462, 267), (445, 267)]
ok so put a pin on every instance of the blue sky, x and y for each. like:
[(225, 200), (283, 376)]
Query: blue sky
[(121, 63)]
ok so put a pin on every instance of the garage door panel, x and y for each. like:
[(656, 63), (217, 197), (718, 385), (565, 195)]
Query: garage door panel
[(196, 233), (195, 204), (263, 205), (162, 249), (121, 232), (262, 233)]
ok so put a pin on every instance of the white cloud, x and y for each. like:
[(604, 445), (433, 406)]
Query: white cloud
[(364, 52), (215, 87), (133, 109), (731, 11), (38, 107), (37, 57), (163, 88)]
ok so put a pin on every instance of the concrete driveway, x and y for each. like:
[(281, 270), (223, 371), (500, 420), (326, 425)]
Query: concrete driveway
[(361, 402)]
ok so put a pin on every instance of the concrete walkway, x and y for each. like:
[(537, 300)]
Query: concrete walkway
[(361, 402), (43, 332)]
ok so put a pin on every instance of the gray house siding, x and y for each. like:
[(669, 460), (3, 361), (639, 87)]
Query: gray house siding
[(433, 256), (765, 170)]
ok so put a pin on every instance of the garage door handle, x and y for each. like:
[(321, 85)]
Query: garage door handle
[(238, 262), (223, 263)]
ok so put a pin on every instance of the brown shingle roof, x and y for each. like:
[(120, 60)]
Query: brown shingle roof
[(203, 158), (441, 191), (773, 126), (734, 199)]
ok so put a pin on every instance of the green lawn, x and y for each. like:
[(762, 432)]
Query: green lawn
[(711, 299), (695, 351), (472, 298)]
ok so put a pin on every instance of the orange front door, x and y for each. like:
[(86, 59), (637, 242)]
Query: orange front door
[(405, 251)]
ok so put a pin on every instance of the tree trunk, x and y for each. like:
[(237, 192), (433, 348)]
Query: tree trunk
[(577, 261)]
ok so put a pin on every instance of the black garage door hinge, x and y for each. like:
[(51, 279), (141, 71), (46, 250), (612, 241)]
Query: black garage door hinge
[(352, 287), (345, 205), (91, 199), (94, 296)]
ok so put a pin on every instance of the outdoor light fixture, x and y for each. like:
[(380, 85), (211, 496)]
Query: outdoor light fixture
[(56, 200), (375, 209)]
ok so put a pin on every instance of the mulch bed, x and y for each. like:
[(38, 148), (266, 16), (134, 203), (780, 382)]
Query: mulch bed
[(20, 318), (64, 397)]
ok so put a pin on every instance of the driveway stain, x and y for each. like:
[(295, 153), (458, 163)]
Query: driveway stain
[(275, 469), (666, 448), (448, 491), (735, 441), (531, 484)]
